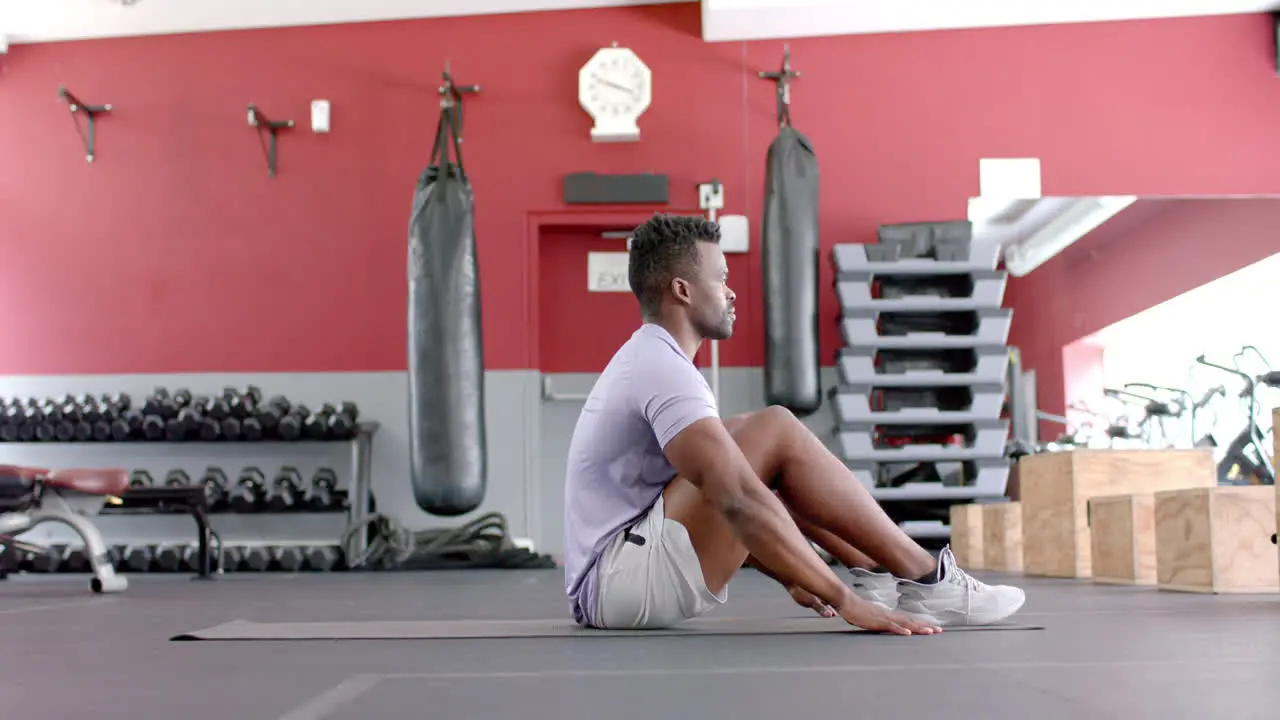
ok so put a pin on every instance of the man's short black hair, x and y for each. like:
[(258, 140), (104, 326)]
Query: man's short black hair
[(661, 249)]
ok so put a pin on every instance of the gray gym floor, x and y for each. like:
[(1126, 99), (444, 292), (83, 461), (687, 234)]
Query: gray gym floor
[(1105, 653)]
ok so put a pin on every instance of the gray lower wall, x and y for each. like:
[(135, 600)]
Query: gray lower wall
[(528, 439)]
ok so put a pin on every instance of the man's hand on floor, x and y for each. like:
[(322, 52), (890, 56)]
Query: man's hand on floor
[(860, 613), (804, 598)]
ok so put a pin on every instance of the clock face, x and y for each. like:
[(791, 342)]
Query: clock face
[(615, 84)]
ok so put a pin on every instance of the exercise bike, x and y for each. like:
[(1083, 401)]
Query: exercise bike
[(1246, 460), (1152, 429), (34, 496), (1100, 429)]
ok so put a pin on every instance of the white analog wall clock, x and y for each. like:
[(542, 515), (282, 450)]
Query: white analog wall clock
[(615, 88)]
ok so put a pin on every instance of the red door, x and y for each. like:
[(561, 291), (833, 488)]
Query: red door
[(579, 330)]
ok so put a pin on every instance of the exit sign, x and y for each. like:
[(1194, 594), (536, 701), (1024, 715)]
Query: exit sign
[(607, 272)]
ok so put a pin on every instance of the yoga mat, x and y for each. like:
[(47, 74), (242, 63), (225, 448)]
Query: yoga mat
[(442, 629)]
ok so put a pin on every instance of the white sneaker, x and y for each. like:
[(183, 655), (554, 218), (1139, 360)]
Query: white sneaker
[(876, 588), (958, 598)]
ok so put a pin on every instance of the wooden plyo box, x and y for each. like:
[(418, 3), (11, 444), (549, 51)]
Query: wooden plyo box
[(1002, 537), (1217, 540), (966, 535), (1056, 487), (1122, 530)]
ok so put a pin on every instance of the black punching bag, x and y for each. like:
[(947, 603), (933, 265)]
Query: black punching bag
[(446, 354), (789, 250)]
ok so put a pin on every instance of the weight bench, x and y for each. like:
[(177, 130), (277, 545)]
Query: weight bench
[(33, 496)]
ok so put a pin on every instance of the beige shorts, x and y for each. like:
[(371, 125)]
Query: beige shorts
[(649, 576)]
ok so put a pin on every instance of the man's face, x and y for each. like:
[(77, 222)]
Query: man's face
[(712, 307)]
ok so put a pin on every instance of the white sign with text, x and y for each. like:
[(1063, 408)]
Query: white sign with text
[(607, 272)]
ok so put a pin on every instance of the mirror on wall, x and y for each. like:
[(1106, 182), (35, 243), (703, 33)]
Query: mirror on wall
[(1161, 309)]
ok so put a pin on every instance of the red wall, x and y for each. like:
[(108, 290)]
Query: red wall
[(176, 252), (1150, 253)]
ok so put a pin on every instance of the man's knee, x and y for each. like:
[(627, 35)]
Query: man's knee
[(766, 437), (773, 423), (778, 423)]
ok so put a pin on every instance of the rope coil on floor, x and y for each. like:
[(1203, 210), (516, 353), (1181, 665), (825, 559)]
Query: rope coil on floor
[(481, 543)]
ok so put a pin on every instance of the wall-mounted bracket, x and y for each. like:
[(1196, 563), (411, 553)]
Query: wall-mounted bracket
[(451, 92), (259, 120), (91, 112), (449, 127), (783, 79)]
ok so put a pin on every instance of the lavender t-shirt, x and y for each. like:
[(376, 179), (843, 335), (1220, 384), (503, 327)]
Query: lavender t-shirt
[(649, 392)]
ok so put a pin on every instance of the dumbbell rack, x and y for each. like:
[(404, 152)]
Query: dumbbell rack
[(922, 376), (171, 525)]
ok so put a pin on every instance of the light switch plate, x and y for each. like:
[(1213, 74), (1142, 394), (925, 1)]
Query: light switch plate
[(320, 116)]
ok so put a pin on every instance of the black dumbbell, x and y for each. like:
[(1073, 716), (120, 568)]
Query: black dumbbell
[(153, 404), (232, 557), (177, 478), (81, 431), (286, 488), (251, 429), (127, 426), (230, 428), (8, 431), (287, 558), (119, 401), (169, 557), (185, 424), (137, 558), (254, 393), (208, 429), (69, 408), (342, 422), (217, 408), (255, 558), (270, 413), (191, 558), (64, 431), (323, 558), (74, 560), (214, 481), (244, 404), (290, 426), (153, 427), (89, 407), (320, 496), (244, 497), (140, 478), (102, 430), (316, 426), (44, 431)]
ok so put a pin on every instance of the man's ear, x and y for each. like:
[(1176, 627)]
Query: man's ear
[(681, 290)]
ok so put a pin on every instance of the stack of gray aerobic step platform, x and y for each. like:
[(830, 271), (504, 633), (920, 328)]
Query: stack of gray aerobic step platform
[(923, 372)]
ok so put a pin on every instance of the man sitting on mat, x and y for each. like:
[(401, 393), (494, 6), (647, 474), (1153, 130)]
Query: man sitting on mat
[(664, 501)]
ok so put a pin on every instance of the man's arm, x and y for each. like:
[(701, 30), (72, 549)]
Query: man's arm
[(706, 455)]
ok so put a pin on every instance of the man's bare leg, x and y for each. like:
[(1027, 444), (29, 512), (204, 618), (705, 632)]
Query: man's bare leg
[(846, 554), (813, 483), (820, 491)]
